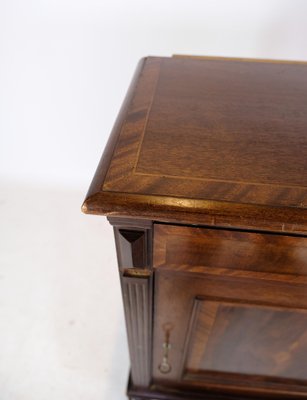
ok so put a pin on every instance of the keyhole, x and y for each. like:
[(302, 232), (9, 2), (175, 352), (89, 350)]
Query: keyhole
[(165, 366)]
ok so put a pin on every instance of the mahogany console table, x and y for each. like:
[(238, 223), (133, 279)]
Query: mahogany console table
[(204, 179)]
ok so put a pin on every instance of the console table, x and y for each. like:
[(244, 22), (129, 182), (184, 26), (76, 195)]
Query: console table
[(204, 179)]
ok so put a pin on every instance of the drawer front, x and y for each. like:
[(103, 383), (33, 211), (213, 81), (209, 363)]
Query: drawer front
[(230, 310)]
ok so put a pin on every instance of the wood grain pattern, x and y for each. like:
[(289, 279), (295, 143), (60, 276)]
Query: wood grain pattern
[(106, 158), (231, 253), (201, 325), (241, 126), (174, 303), (237, 303), (249, 339), (216, 147)]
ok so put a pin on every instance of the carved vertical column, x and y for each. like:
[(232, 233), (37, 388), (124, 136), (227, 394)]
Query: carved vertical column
[(133, 240)]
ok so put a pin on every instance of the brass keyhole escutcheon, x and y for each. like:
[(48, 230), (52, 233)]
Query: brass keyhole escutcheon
[(165, 367)]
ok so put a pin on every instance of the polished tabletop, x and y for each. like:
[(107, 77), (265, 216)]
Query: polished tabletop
[(209, 136)]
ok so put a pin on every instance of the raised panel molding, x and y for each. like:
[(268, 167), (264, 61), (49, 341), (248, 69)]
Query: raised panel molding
[(227, 338)]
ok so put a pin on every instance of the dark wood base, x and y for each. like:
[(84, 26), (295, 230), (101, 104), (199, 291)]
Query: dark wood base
[(159, 392), (155, 392)]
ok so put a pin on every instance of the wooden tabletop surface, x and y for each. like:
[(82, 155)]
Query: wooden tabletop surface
[(209, 140)]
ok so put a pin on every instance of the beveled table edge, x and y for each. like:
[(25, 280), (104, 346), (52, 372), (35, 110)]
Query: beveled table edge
[(202, 212), (180, 209)]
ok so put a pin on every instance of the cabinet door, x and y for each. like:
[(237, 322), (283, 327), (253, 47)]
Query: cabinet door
[(230, 310)]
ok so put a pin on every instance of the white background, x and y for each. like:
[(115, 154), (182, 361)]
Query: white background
[(65, 66)]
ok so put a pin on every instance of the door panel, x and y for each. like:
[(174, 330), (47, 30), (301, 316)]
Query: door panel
[(247, 339), (247, 328)]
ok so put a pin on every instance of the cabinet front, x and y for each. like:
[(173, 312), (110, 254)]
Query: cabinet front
[(230, 310)]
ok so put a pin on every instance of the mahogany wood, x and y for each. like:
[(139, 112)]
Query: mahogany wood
[(231, 252), (134, 252), (238, 309), (204, 180), (212, 141)]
